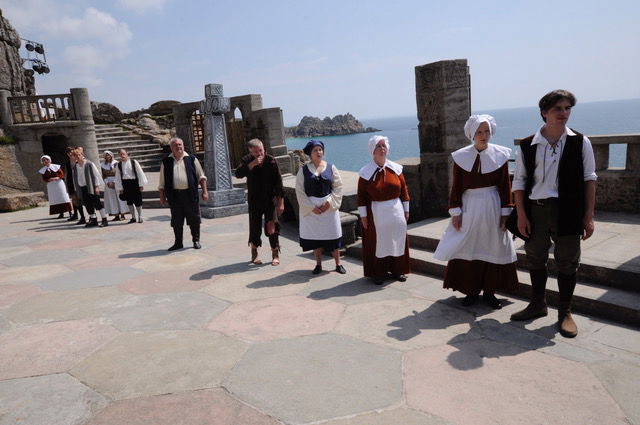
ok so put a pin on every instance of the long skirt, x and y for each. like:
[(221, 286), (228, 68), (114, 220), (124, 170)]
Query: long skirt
[(480, 255), (320, 230), (113, 204), (59, 201), (386, 251)]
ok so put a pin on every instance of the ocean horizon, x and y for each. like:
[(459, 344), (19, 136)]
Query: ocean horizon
[(350, 152)]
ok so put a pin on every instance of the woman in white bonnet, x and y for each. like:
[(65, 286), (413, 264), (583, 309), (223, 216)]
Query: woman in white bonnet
[(52, 174), (383, 204), (479, 250), (112, 203)]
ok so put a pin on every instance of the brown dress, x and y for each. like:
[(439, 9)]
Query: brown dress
[(472, 277), (381, 187), (57, 192)]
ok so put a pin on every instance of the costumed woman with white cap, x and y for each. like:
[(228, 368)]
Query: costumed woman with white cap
[(112, 203), (383, 204), (59, 201), (479, 250), (319, 193)]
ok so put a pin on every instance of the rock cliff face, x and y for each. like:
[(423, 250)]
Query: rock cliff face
[(12, 76), (336, 126)]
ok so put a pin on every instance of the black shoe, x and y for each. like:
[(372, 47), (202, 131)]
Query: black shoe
[(140, 220), (378, 280), (61, 215), (317, 269), (175, 246), (400, 278), (93, 222), (469, 300), (116, 218), (105, 223), (73, 217), (196, 245), (133, 220), (340, 269), (492, 301), (82, 221)]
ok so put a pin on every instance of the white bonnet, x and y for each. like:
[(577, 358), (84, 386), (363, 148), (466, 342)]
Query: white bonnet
[(474, 121), (373, 141), (45, 156)]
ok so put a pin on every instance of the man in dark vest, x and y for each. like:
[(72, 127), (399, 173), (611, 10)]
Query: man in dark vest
[(555, 189), (180, 175)]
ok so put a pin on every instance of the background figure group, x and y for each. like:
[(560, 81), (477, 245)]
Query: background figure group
[(113, 205), (319, 194), (130, 181), (52, 174), (88, 182), (180, 175), (479, 250), (266, 198), (555, 188), (383, 204)]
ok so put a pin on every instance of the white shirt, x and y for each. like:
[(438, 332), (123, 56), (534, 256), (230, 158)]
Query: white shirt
[(545, 176), (129, 174), (80, 175), (180, 180)]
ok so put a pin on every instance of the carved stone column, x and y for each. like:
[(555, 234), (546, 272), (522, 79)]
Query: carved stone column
[(224, 199)]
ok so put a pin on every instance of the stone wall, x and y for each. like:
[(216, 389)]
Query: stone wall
[(12, 176), (12, 77)]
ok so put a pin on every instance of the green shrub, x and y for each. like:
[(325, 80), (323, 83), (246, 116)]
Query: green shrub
[(6, 140)]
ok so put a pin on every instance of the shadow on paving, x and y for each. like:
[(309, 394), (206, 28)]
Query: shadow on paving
[(442, 315), (352, 288), (289, 278), (58, 226), (146, 254), (221, 270)]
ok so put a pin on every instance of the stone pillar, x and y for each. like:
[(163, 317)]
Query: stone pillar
[(5, 110), (601, 155), (224, 199), (85, 134), (444, 104)]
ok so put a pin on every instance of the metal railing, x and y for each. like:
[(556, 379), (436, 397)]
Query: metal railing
[(40, 109)]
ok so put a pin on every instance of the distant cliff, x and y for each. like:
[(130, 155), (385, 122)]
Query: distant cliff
[(336, 126)]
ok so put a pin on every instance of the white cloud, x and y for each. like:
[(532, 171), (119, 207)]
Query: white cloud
[(93, 39), (142, 6)]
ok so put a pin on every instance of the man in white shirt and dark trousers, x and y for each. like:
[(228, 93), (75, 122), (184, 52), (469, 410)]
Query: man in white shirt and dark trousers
[(554, 187), (180, 175), (130, 181)]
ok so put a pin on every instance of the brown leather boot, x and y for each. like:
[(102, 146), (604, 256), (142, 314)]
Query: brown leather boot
[(566, 325), (538, 306)]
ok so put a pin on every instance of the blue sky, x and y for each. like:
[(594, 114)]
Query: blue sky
[(331, 57)]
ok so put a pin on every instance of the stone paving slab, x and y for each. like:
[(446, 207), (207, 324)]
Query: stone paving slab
[(201, 336), (159, 362), (52, 400), (317, 377), (50, 348), (211, 407)]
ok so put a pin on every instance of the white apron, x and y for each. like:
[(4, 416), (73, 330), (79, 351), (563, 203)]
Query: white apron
[(321, 227), (391, 227), (480, 237), (112, 203), (57, 192)]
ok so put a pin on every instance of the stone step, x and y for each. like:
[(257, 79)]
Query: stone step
[(609, 303), (119, 138), (131, 147), (595, 273)]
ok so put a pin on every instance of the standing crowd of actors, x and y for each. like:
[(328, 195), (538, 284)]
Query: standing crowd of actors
[(77, 185), (553, 189)]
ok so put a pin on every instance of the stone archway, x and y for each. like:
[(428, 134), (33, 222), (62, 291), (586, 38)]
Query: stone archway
[(236, 136), (54, 145)]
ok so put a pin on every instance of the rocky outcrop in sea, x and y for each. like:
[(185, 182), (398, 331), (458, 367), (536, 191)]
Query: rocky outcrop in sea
[(339, 125)]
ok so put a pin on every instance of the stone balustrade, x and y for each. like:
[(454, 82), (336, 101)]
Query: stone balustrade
[(46, 108)]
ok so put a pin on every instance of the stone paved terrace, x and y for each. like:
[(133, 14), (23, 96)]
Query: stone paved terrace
[(104, 326)]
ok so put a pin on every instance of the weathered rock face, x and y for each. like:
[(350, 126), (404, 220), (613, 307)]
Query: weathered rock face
[(336, 126), (154, 129), (105, 113), (11, 173), (12, 76), (162, 107)]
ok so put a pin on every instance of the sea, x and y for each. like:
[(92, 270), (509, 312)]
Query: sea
[(595, 118)]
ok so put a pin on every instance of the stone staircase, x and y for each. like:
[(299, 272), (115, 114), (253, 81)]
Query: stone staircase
[(112, 137), (605, 289)]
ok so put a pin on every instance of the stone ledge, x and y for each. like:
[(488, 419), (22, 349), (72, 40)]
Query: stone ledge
[(21, 201)]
